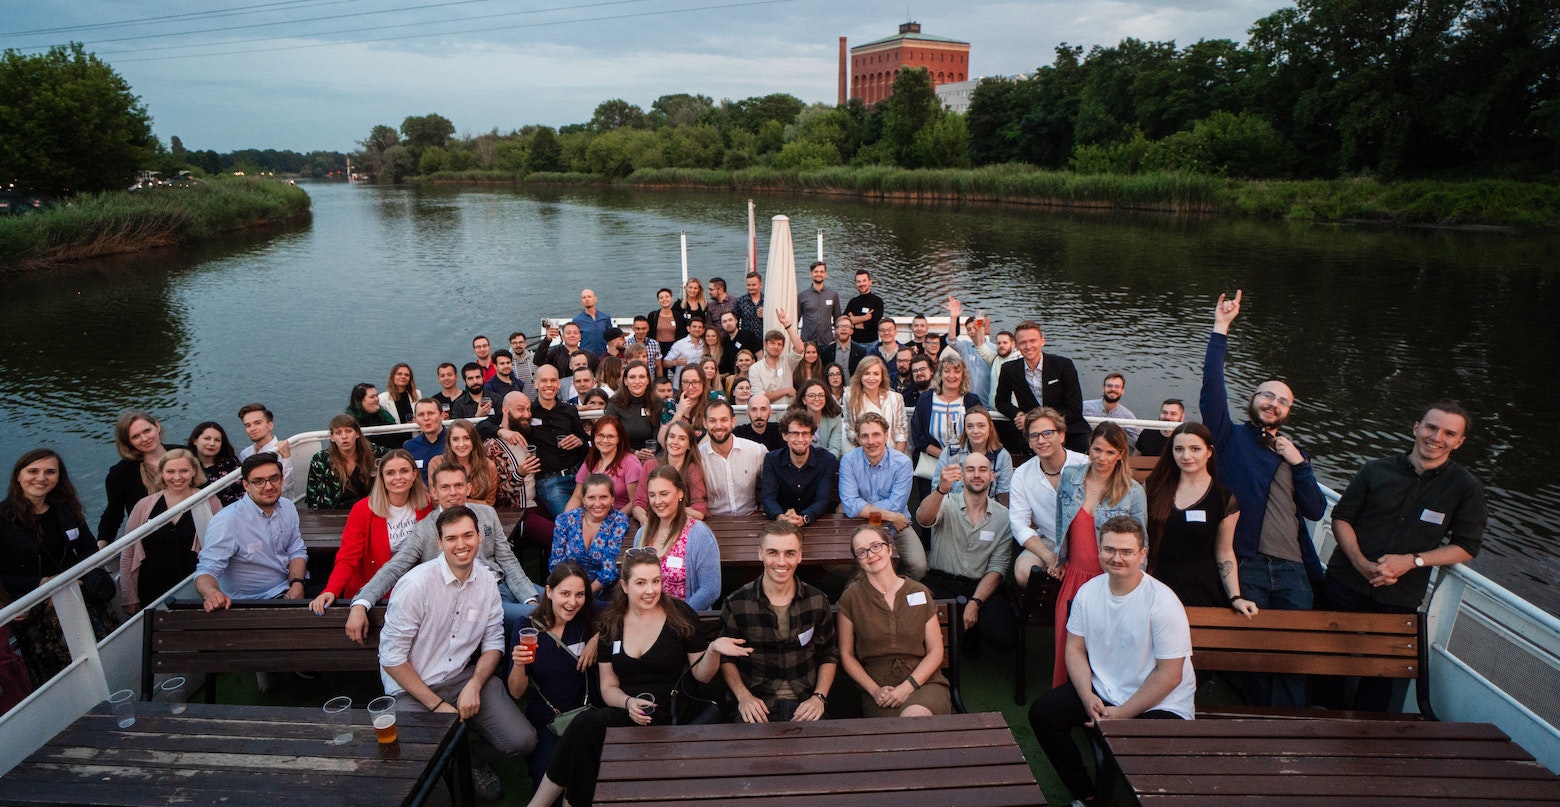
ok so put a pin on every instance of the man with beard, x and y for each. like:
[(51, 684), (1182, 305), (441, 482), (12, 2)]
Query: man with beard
[(732, 465), (503, 381), (972, 549), (800, 483), (887, 347), (842, 350), (918, 380), (558, 355), (735, 339), (1109, 405), (750, 307), (720, 301), (1151, 443), (758, 428), (525, 366), (1277, 490), (818, 305), (472, 403)]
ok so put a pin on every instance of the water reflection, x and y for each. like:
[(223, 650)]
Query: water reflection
[(1365, 324)]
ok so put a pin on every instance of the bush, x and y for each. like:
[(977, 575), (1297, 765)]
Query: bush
[(807, 155)]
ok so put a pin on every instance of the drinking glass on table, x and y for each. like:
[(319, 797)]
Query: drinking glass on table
[(338, 719), (172, 691), (123, 703), (875, 517), (381, 713)]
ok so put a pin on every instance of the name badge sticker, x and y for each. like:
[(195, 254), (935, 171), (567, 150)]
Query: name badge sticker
[(1432, 517), (419, 463), (471, 615), (617, 647), (805, 636), (73, 533), (915, 598), (536, 421), (674, 562), (988, 535), (1197, 515), (576, 649)]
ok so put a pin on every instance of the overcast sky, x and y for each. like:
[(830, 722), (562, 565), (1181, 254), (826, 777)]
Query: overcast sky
[(280, 75)]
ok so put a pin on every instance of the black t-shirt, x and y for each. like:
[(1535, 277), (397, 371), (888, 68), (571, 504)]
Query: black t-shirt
[(868, 303), (1151, 443), (770, 439), (657, 671)]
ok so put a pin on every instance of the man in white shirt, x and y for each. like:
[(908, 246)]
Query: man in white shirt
[(732, 465), (1129, 654), (1032, 498), (771, 374), (685, 351), (260, 427), (440, 614)]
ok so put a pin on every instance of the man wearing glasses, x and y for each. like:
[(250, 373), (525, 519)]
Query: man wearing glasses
[(798, 483), (1032, 499), (253, 549), (1277, 490)]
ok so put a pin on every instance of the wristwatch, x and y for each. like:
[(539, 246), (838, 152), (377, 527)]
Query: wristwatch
[(299, 580), (1419, 560), (978, 601), (820, 696)]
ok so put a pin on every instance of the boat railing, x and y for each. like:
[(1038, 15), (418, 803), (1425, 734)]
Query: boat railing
[(1493, 657)]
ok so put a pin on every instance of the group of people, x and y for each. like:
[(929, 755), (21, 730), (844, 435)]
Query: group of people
[(901, 435)]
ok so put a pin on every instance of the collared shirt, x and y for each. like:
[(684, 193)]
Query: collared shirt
[(968, 549), (748, 318), (684, 348), (1096, 408), (593, 330), (819, 309), (766, 379), (248, 551), (495, 554), (1035, 377), (731, 483), (496, 388), (1032, 500), (713, 310), (652, 351), (1395, 510), (249, 451), (780, 660), (547, 425), (465, 406), (422, 450), (809, 490), (885, 485), (979, 361), (436, 621)]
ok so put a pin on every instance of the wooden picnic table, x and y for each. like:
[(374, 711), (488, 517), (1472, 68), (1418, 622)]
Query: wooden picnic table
[(825, 542), (1167, 763), (238, 755), (965, 759), (321, 529)]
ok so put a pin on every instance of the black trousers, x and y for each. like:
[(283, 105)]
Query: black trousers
[(995, 624), (1053, 716)]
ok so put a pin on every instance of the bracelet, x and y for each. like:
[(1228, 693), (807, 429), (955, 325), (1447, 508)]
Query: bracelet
[(978, 601), (299, 580), (914, 685), (820, 696), (941, 492)]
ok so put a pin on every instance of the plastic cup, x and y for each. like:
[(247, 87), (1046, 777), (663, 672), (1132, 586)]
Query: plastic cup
[(381, 712), (172, 691), (123, 703), (650, 446), (646, 710), (529, 636), (338, 720), (530, 450)]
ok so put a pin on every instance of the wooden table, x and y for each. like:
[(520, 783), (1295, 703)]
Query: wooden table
[(948, 759), (237, 755), (321, 529), (1324, 762), (825, 542)]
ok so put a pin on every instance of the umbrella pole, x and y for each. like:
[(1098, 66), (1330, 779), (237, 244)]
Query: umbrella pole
[(820, 244), (752, 258), (685, 257)]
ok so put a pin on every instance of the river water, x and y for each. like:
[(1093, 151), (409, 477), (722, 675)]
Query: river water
[(1365, 324)]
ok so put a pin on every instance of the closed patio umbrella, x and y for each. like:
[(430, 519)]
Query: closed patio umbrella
[(779, 274)]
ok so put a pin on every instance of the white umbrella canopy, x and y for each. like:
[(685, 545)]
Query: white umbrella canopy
[(779, 275)]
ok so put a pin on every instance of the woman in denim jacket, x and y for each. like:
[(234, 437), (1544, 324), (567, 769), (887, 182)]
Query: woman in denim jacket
[(1086, 497)]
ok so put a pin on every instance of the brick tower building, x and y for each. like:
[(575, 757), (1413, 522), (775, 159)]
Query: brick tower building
[(874, 65)]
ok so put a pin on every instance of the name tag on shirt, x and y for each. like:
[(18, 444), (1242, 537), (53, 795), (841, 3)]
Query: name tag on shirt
[(576, 649), (828, 302), (536, 421), (73, 533), (617, 647), (805, 636), (1432, 517), (644, 413), (471, 615), (1197, 515), (915, 598), (988, 535), (419, 463), (674, 562)]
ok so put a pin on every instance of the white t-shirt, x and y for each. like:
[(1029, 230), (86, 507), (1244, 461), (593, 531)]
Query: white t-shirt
[(400, 524), (1126, 634)]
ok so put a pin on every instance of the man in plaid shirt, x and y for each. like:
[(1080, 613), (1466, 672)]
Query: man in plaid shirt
[(790, 626)]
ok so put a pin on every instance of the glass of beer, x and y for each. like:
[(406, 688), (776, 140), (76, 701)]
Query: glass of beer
[(381, 712), (528, 637), (875, 518)]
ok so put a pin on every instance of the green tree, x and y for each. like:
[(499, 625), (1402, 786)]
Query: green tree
[(943, 143), (910, 109), (546, 152), (680, 109), (70, 123), (616, 114), (510, 155), (398, 164), (433, 160), (419, 132), (805, 155)]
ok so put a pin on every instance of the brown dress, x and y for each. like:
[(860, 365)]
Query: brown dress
[(891, 643)]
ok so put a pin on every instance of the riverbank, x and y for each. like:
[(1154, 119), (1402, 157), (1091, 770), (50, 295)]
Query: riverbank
[(116, 222), (1486, 202)]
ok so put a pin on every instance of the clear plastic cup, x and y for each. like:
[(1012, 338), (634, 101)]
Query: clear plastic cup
[(338, 720), (647, 711), (172, 691), (123, 703), (381, 713)]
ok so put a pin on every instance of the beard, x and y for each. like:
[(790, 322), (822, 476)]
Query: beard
[(1255, 414), (1111, 397)]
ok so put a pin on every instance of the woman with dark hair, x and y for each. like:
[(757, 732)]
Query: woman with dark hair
[(649, 640), (635, 404), (680, 451), (138, 436), (364, 405), (401, 393), (814, 397), (608, 455), (43, 532), (891, 644), (591, 535), (665, 326), (739, 390), (463, 446), (688, 405), (377, 527), (609, 375), (690, 557), (342, 472), (834, 376), (557, 669), (1086, 497), (1191, 524), (808, 367), (209, 442), (164, 558)]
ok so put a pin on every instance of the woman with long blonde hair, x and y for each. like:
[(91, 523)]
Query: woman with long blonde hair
[(401, 394), (464, 446), (869, 392), (161, 560), (377, 527)]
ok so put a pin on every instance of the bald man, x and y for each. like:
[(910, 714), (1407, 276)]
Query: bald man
[(593, 324), (1277, 490)]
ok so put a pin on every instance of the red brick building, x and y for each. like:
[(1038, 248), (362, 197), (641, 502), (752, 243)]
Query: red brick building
[(874, 65)]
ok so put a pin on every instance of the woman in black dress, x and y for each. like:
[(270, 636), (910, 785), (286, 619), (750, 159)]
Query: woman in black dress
[(209, 442), (647, 641), (43, 532), (138, 436), (1191, 524), (558, 668), (163, 559)]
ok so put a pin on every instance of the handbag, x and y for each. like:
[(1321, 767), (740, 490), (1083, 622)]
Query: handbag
[(707, 714), (925, 466), (561, 719)]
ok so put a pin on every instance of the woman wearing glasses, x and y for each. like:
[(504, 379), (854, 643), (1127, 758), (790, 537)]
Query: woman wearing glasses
[(890, 642)]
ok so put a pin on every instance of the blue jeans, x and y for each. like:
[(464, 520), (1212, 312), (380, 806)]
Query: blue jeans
[(554, 493), (1281, 585)]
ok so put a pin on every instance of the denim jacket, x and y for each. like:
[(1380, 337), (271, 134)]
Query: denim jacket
[(1069, 500)]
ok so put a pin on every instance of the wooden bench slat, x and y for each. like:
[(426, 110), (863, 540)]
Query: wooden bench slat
[(1389, 788), (1274, 619), (1245, 661), (845, 744), (1499, 769), (325, 637), (1124, 747), (1241, 729), (699, 762), (816, 785), (999, 796), (244, 617), (266, 661), (1492, 799), (1313, 642)]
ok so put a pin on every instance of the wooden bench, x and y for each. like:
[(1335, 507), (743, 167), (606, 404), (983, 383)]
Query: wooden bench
[(1141, 466), (1307, 643), (825, 542), (268, 636), (948, 616)]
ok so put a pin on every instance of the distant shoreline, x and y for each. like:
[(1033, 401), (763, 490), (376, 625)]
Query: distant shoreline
[(1481, 203), (115, 222)]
